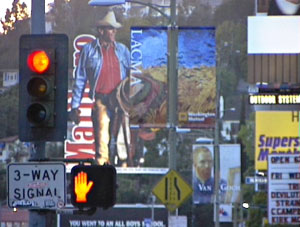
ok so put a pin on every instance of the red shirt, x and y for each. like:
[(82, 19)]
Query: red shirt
[(110, 74)]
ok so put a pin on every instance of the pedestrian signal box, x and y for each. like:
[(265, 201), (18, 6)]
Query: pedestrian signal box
[(93, 186), (43, 73)]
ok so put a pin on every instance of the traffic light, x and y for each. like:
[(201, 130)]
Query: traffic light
[(43, 73), (93, 186)]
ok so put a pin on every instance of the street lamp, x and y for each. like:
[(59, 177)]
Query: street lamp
[(246, 205)]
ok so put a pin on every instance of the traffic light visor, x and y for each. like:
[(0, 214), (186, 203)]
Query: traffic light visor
[(38, 61)]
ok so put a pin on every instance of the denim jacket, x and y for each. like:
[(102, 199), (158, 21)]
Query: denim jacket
[(89, 67)]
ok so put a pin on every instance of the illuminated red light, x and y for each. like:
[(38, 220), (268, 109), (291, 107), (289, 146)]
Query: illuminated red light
[(38, 61)]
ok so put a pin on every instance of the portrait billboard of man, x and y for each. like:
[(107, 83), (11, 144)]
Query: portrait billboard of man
[(203, 173), (203, 178)]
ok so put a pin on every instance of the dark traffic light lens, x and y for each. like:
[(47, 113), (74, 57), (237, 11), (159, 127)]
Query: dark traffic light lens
[(38, 87), (37, 113)]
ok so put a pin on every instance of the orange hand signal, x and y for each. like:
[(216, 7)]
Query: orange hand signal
[(82, 188)]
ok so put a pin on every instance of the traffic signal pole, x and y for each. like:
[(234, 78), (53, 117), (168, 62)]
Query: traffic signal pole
[(37, 16), (172, 85), (36, 219)]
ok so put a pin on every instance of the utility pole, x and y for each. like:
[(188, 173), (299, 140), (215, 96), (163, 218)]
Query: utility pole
[(172, 84), (36, 219)]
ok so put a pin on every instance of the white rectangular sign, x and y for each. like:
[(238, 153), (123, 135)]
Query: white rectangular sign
[(36, 185), (274, 35), (284, 188)]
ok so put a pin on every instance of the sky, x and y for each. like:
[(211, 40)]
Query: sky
[(8, 4)]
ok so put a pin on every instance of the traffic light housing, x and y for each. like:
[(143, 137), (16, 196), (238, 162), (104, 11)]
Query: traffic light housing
[(43, 73), (93, 186)]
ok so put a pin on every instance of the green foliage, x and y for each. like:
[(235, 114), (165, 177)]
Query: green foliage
[(157, 154), (3, 182), (195, 13), (246, 135), (234, 10), (55, 150), (9, 112), (135, 189), (258, 210), (255, 218), (15, 24), (18, 152), (232, 55)]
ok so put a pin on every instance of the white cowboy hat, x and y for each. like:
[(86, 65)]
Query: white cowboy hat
[(109, 20)]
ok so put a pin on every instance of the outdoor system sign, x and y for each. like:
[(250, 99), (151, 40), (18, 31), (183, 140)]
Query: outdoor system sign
[(274, 99), (284, 188), (275, 132), (36, 185)]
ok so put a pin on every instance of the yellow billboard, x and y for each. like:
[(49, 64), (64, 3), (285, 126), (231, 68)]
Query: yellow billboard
[(275, 133)]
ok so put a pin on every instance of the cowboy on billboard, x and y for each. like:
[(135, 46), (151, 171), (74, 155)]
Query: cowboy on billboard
[(104, 64)]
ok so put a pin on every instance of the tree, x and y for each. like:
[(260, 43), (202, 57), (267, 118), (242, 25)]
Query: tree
[(3, 195), (231, 54), (18, 151), (9, 112), (15, 24), (234, 10), (18, 12), (195, 13)]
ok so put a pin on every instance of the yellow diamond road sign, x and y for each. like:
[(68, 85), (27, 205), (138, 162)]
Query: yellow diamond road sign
[(172, 190)]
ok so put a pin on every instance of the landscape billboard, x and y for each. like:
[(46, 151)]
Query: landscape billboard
[(196, 76)]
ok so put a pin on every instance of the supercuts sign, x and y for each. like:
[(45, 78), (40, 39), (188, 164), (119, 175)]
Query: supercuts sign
[(36, 185)]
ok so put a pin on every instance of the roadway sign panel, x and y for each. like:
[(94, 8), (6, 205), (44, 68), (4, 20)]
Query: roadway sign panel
[(36, 185), (172, 190), (256, 180)]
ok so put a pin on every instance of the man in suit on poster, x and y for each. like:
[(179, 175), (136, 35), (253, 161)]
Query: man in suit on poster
[(203, 182)]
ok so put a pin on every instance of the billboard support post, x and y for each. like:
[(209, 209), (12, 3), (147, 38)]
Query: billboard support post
[(217, 156)]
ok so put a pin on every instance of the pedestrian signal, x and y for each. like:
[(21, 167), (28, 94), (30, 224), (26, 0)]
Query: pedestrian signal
[(93, 186)]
